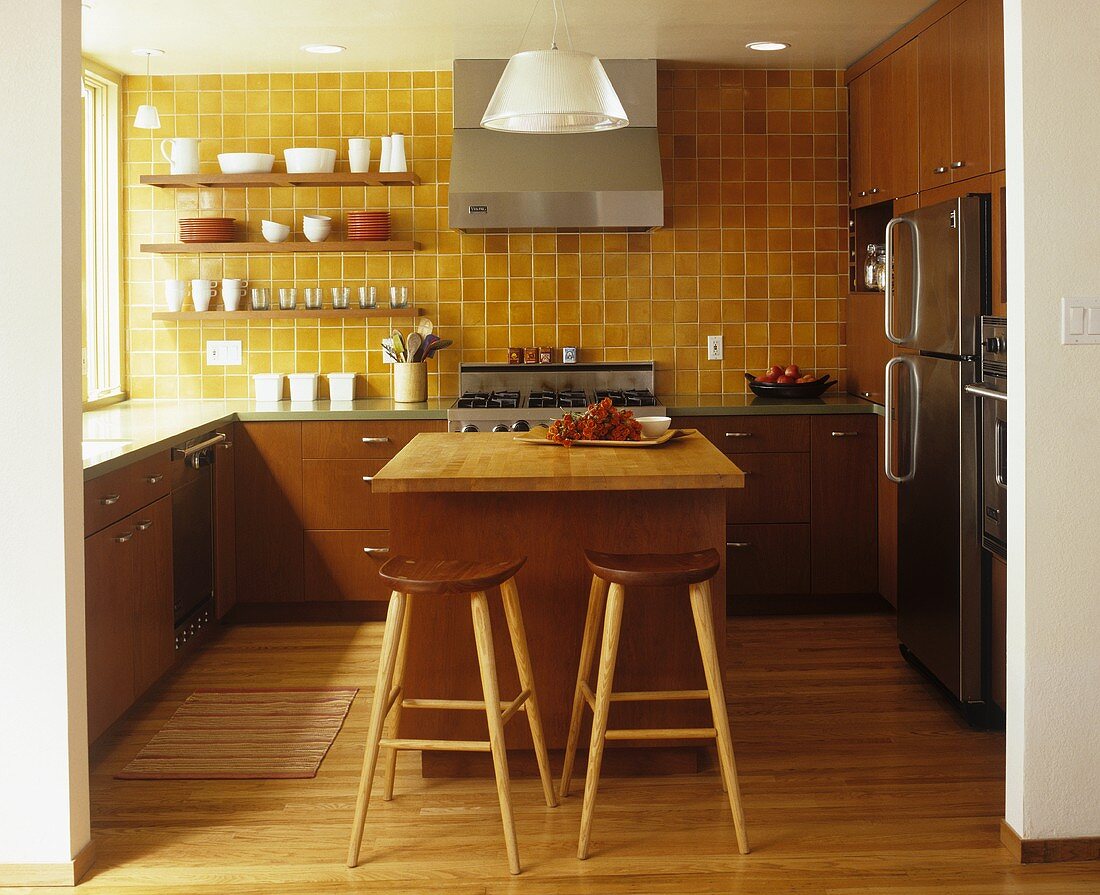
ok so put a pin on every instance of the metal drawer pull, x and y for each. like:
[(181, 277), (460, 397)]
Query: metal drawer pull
[(376, 439), (368, 478), (110, 499), (844, 434), (738, 544), (862, 194), (376, 549), (940, 170), (874, 191), (154, 478), (227, 444), (144, 525), (957, 165), (122, 539), (866, 394), (739, 435)]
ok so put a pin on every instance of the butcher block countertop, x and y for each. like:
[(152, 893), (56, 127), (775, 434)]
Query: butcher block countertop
[(495, 462)]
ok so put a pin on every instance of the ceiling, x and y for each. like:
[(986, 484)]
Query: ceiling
[(265, 35)]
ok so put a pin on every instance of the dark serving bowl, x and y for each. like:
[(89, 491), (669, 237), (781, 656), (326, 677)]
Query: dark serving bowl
[(813, 389)]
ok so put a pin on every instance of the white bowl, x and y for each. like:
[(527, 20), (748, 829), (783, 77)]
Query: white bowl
[(273, 231), (246, 162), (318, 218), (310, 161), (654, 426), (316, 231)]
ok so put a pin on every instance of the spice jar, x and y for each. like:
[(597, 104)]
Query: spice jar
[(546, 355)]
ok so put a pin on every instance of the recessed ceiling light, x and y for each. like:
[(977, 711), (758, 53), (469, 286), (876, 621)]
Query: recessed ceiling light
[(323, 49), (767, 46), (147, 51)]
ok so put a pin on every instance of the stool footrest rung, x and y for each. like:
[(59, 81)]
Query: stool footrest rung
[(468, 705), (663, 733), (644, 695), (436, 745)]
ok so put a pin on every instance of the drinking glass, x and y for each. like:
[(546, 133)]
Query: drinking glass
[(368, 297), (288, 299), (399, 296), (315, 298), (341, 295), (261, 299)]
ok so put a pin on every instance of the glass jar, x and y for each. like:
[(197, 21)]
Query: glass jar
[(870, 265)]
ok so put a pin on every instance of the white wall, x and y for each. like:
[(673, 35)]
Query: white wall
[(1053, 120), (43, 731)]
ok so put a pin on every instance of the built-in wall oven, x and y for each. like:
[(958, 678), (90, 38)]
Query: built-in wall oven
[(992, 393), (193, 534)]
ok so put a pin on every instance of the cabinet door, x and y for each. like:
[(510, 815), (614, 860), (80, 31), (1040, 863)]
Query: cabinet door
[(767, 559), (154, 622), (879, 137), (868, 349), (338, 495), (859, 118), (776, 489), (969, 29), (934, 71), (843, 516), (996, 85), (225, 526), (887, 524), (343, 565), (899, 125), (108, 624), (268, 484)]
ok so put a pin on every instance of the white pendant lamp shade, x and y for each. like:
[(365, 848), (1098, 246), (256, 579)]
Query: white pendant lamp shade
[(147, 118), (554, 92)]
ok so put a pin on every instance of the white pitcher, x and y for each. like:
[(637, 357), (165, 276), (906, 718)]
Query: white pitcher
[(185, 154)]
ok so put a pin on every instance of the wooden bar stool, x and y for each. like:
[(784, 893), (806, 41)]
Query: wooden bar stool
[(610, 574), (442, 578)]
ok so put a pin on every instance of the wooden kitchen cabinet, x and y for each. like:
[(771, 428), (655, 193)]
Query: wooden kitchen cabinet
[(777, 489), (763, 560), (343, 565), (996, 85), (887, 524), (934, 60), (337, 495), (868, 348), (860, 123), (154, 618), (843, 504), (225, 525), (895, 146)]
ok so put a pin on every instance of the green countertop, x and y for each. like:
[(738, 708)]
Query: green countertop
[(132, 430)]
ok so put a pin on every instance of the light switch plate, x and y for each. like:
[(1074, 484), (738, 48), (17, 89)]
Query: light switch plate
[(1081, 321), (223, 354), (714, 348)]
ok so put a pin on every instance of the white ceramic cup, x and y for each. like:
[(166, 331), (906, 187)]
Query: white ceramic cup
[(202, 291), (174, 293), (359, 155), (184, 157), (233, 291)]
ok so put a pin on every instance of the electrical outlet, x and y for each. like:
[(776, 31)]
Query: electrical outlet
[(386, 358), (714, 348), (223, 354)]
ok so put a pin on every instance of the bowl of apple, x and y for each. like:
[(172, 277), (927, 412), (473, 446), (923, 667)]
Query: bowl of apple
[(789, 382)]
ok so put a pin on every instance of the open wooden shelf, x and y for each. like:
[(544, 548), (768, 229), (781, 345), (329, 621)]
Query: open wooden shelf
[(229, 181), (273, 248), (296, 314)]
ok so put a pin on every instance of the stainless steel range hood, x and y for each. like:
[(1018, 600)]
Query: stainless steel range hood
[(602, 181)]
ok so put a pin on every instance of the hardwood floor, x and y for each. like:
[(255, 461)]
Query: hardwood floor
[(856, 779)]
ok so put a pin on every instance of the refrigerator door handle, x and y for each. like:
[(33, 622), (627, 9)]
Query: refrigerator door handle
[(890, 227), (891, 409)]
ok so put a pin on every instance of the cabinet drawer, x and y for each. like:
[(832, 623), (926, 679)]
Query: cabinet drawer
[(777, 489), (117, 494), (362, 439), (752, 434), (337, 567), (337, 495), (767, 559)]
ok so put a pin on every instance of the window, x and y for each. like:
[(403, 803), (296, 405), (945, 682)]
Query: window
[(102, 327)]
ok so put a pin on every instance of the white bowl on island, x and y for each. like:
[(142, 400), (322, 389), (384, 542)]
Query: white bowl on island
[(654, 426)]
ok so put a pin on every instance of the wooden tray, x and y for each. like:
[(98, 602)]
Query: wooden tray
[(538, 436)]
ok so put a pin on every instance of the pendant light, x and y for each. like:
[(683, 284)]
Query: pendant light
[(147, 117), (554, 91)]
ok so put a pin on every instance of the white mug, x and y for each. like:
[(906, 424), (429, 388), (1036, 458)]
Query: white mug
[(185, 154), (201, 293), (174, 293), (359, 155), (384, 158), (232, 292)]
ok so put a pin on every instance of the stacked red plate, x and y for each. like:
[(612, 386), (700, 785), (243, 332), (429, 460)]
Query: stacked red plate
[(208, 229), (368, 225)]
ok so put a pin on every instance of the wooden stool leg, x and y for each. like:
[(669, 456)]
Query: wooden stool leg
[(386, 660), (612, 621), (596, 599), (483, 635), (510, 596), (704, 628), (398, 681)]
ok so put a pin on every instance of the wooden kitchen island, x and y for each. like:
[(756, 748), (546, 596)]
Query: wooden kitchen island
[(484, 496)]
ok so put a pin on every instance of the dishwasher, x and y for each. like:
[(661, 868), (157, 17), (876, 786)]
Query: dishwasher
[(193, 534)]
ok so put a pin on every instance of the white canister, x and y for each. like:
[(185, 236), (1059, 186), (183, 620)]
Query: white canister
[(384, 158), (341, 386), (269, 387), (303, 387), (359, 155), (174, 293), (410, 383), (397, 153)]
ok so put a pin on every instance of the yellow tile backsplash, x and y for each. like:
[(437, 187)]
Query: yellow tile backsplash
[(754, 247)]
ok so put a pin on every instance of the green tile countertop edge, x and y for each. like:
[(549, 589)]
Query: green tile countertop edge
[(124, 433)]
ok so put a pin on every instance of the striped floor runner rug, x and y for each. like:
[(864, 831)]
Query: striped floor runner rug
[(244, 735)]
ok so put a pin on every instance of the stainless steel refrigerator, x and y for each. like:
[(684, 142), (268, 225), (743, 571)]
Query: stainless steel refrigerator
[(937, 289)]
